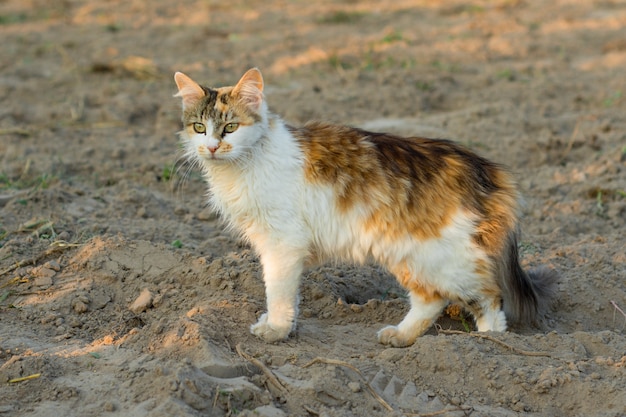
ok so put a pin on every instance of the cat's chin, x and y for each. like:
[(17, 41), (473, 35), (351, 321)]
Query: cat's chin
[(217, 160), (212, 158)]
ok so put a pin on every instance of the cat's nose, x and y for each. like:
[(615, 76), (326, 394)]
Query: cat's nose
[(212, 148)]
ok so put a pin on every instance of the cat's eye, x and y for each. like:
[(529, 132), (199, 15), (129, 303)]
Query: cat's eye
[(231, 127), (199, 128)]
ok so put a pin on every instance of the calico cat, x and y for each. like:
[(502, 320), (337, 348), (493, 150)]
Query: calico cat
[(442, 219)]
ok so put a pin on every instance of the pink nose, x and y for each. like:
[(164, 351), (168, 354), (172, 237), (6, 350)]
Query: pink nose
[(212, 148)]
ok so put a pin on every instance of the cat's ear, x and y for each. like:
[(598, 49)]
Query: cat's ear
[(188, 90), (249, 89)]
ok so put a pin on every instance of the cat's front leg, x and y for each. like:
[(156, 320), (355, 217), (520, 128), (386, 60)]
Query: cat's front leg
[(281, 273)]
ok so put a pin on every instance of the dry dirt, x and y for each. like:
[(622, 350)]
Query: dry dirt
[(120, 293)]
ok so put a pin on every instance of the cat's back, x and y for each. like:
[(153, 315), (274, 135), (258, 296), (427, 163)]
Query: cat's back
[(426, 180), (342, 154)]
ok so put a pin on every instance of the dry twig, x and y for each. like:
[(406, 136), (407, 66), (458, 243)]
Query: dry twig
[(266, 371), (493, 339), (349, 366), (434, 413)]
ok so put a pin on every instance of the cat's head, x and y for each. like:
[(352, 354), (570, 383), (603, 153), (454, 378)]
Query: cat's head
[(222, 124)]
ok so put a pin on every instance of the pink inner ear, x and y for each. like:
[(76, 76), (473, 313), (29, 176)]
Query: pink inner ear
[(250, 89), (188, 89)]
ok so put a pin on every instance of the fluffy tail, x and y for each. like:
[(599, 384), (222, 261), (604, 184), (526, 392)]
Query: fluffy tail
[(525, 293)]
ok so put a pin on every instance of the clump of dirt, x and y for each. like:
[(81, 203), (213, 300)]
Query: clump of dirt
[(121, 293)]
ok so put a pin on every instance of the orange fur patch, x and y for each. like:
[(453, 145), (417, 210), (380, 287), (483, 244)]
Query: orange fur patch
[(501, 215), (412, 284), (225, 147), (410, 185)]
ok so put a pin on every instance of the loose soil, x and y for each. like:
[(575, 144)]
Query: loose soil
[(121, 294)]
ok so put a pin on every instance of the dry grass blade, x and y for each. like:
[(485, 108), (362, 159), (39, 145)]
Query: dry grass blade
[(62, 244), (15, 266), (4, 296), (266, 371), (5, 198), (493, 339), (310, 410), (33, 224), (217, 395), (38, 226), (24, 378), (14, 131), (349, 366), (616, 307), (55, 246), (434, 413), (572, 139), (13, 281)]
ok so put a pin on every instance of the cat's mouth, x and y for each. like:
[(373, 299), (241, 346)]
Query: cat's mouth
[(212, 157), (208, 154), (219, 152)]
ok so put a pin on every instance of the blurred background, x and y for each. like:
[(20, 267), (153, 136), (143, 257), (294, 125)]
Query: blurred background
[(88, 150)]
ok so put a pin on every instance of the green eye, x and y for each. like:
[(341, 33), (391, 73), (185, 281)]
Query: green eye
[(231, 127), (199, 128)]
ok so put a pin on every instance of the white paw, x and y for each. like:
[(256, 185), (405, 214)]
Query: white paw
[(270, 333), (391, 335), (494, 321)]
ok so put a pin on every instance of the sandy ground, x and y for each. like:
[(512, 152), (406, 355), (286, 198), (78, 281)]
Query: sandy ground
[(121, 295)]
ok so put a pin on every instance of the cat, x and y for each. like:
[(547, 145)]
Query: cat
[(439, 217)]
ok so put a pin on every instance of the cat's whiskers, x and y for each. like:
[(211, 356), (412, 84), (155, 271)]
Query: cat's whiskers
[(182, 170), (185, 164)]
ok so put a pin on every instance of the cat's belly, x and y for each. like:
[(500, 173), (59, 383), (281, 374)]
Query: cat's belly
[(450, 263)]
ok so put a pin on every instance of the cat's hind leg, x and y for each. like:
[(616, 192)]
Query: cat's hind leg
[(481, 295), (425, 309), (488, 314)]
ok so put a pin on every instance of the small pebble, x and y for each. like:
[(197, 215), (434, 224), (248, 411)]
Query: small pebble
[(44, 272), (48, 318), (43, 282), (54, 265), (143, 302), (173, 385), (356, 308), (74, 322), (108, 406), (206, 215), (158, 299), (80, 307), (142, 212), (354, 386)]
